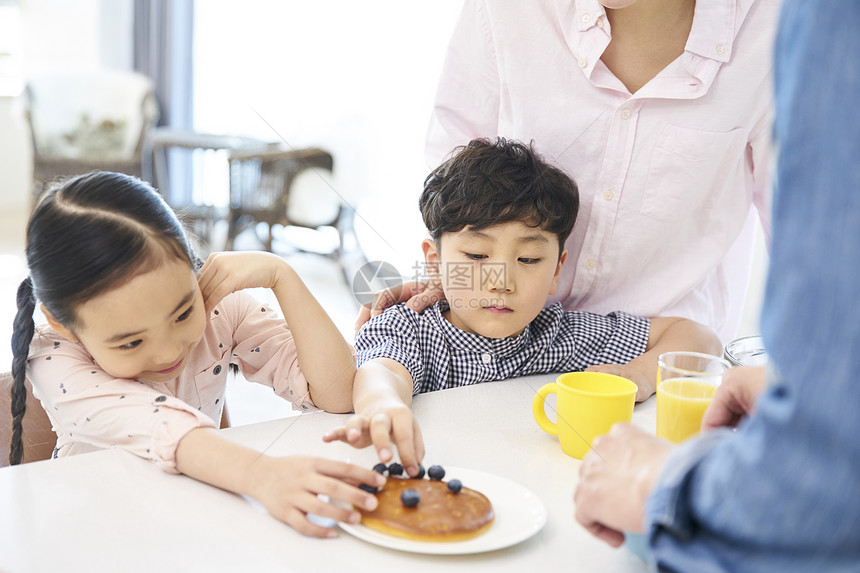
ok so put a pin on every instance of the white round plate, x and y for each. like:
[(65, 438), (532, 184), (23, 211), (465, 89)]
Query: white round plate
[(519, 515)]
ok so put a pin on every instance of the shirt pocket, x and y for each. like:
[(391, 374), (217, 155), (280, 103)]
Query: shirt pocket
[(688, 169)]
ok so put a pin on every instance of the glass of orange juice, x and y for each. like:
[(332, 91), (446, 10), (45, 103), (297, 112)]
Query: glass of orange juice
[(686, 383)]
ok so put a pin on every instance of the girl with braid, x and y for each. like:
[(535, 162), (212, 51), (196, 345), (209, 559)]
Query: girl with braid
[(140, 338)]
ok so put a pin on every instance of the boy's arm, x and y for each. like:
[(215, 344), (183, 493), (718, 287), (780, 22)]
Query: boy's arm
[(664, 335), (382, 394)]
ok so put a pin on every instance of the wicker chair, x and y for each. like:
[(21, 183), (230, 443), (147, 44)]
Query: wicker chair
[(168, 154), (288, 188), (86, 122)]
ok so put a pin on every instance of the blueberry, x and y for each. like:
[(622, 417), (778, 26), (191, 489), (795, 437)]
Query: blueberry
[(455, 485), (380, 468), (420, 474), (436, 472), (410, 498), (395, 469), (368, 488)]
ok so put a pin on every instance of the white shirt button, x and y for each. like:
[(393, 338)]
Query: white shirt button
[(608, 194), (582, 62), (720, 49), (590, 264), (487, 357), (600, 22), (586, 17), (625, 114)]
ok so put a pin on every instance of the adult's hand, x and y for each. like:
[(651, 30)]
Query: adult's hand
[(615, 479), (417, 295), (736, 397)]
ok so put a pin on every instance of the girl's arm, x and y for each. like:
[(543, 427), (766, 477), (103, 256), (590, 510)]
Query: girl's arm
[(324, 356), (288, 487), (664, 335)]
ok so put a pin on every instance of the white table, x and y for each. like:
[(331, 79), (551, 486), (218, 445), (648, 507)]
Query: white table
[(111, 511)]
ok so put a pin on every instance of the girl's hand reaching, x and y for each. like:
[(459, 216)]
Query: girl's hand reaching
[(289, 488)]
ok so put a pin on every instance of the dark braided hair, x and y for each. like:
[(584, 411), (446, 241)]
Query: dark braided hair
[(489, 182), (23, 333), (91, 234)]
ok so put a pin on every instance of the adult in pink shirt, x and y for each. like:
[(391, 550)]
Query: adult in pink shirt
[(661, 110)]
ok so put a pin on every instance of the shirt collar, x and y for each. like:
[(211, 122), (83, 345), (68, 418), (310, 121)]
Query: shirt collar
[(715, 26), (499, 347), (714, 29), (585, 14), (585, 29)]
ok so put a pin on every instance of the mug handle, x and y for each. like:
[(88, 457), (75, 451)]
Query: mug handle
[(539, 412)]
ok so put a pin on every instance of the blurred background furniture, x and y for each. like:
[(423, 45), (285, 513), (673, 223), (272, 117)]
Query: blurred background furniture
[(291, 188), (175, 162), (81, 122)]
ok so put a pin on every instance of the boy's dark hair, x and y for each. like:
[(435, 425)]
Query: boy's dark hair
[(487, 182), (93, 233)]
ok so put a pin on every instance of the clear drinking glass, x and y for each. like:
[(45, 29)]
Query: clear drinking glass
[(686, 383)]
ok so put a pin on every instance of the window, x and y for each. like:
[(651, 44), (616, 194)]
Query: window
[(11, 83), (355, 78)]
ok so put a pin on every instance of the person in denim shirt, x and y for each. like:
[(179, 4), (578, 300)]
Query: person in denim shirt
[(781, 492)]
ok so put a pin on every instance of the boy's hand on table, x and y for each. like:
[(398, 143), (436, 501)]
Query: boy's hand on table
[(380, 428), (642, 379)]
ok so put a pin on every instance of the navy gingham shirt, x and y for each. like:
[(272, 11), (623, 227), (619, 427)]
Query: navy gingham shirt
[(439, 355)]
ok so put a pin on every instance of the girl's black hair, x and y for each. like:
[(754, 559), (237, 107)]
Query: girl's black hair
[(91, 234), (489, 182)]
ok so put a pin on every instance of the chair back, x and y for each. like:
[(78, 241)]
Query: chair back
[(287, 187), (38, 435)]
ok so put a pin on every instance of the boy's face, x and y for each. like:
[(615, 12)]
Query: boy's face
[(496, 279)]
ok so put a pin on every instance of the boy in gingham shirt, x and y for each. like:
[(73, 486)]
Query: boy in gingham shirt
[(498, 217)]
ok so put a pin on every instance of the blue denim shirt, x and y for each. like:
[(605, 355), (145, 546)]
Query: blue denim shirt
[(782, 493)]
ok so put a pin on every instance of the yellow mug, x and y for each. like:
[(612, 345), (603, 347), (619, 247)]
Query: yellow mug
[(686, 383), (587, 406)]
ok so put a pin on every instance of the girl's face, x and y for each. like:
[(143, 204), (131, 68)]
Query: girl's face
[(147, 327)]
